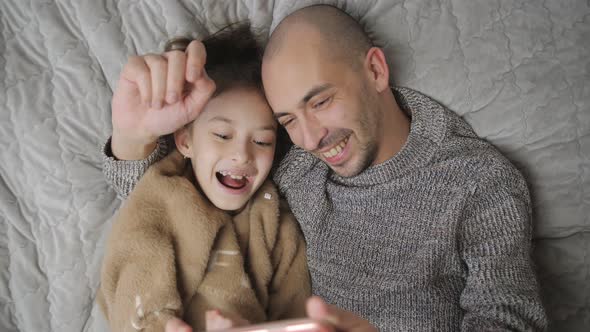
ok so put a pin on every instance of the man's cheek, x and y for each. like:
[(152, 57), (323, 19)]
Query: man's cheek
[(335, 116), (295, 136)]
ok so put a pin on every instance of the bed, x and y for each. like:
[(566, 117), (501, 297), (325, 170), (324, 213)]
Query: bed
[(517, 70)]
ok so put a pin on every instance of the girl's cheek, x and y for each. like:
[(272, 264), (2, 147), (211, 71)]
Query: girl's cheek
[(269, 157)]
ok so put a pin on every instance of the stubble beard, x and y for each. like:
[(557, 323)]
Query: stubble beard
[(369, 129)]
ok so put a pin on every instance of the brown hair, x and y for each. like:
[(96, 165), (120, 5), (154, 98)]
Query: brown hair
[(234, 57)]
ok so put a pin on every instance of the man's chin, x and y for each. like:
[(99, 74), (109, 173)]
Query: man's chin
[(351, 167), (345, 170)]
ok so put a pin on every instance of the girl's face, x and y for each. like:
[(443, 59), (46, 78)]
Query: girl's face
[(231, 145)]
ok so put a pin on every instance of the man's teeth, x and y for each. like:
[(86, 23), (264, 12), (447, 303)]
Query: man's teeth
[(336, 150)]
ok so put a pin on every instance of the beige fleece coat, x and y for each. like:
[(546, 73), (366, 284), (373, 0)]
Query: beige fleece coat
[(172, 253)]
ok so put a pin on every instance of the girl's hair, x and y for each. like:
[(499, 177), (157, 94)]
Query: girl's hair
[(234, 60), (234, 57)]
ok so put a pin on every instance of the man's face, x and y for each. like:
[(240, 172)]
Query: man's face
[(327, 107)]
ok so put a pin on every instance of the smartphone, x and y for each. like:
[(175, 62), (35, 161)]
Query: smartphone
[(290, 325)]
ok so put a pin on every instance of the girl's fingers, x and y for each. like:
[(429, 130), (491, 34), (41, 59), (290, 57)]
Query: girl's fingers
[(196, 59), (175, 76), (136, 74), (177, 325), (158, 66)]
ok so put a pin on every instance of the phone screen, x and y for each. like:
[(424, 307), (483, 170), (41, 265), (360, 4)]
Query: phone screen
[(292, 325)]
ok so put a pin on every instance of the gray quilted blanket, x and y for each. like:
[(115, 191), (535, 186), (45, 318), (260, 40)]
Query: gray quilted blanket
[(517, 70)]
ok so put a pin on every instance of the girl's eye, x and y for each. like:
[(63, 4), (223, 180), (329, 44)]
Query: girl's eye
[(223, 137), (322, 103), (262, 143)]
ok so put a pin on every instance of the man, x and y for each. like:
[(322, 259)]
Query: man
[(411, 221)]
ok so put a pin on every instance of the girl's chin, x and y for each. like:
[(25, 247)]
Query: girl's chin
[(230, 207), (231, 199)]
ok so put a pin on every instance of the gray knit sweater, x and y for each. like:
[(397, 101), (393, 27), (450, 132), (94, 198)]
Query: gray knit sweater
[(437, 238)]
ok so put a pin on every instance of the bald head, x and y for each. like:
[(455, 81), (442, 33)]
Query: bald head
[(329, 88), (341, 37)]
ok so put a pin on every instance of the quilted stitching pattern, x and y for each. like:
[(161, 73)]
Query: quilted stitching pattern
[(517, 70)]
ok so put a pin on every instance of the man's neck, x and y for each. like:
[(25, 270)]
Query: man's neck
[(395, 129)]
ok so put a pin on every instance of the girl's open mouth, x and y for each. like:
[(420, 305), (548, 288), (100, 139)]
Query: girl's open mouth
[(235, 182)]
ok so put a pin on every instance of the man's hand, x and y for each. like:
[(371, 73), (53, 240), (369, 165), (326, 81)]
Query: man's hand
[(338, 319), (157, 95)]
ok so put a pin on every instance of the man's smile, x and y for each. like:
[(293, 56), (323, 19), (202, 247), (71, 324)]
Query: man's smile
[(337, 153)]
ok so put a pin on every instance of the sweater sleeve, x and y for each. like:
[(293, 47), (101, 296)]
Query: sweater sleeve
[(290, 286), (123, 175), (138, 279), (501, 291)]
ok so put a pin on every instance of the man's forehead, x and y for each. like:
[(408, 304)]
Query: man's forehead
[(298, 57), (287, 82), (295, 35)]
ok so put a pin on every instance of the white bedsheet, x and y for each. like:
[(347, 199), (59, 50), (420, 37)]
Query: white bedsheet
[(517, 70)]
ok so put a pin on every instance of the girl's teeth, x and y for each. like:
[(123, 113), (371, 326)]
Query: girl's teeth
[(233, 176)]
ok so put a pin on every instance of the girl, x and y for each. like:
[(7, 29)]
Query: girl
[(204, 228)]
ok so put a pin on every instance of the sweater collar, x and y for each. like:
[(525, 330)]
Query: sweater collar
[(427, 130)]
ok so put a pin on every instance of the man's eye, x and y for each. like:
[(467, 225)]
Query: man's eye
[(223, 137), (322, 103), (286, 123)]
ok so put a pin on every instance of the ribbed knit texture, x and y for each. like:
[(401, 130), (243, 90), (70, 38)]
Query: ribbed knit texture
[(123, 175), (437, 238)]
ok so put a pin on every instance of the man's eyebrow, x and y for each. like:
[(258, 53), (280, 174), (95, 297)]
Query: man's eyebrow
[(281, 114), (310, 94), (313, 92)]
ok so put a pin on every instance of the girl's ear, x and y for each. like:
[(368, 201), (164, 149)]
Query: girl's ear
[(182, 138)]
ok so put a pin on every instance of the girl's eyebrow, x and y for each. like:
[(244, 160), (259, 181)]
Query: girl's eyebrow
[(229, 121), (269, 127), (221, 118)]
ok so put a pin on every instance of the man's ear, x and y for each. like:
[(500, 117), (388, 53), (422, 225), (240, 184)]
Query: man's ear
[(182, 138), (377, 68)]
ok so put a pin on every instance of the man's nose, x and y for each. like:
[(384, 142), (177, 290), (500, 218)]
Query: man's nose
[(312, 132)]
